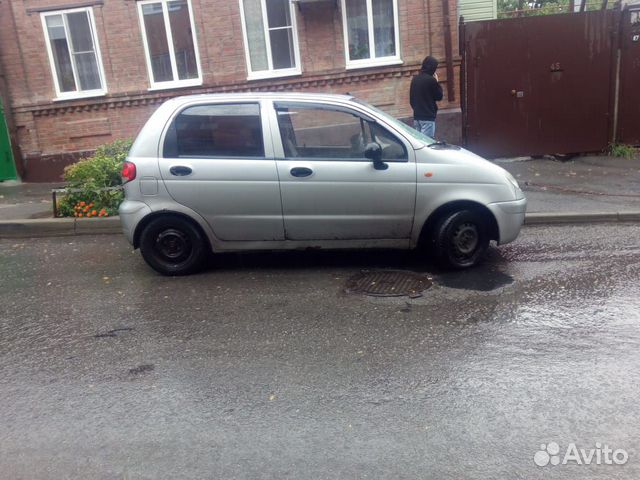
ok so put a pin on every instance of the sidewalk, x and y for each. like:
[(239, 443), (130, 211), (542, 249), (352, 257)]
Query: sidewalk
[(19, 201), (590, 188), (585, 184)]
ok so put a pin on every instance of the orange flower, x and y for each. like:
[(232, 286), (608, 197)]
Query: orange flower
[(94, 212), (82, 204), (79, 214)]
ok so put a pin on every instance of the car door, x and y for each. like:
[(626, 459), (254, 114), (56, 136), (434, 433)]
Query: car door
[(215, 160), (330, 191)]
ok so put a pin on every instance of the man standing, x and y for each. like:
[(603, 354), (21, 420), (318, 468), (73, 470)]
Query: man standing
[(425, 91)]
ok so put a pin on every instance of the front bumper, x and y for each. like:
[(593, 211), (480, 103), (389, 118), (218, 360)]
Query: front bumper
[(131, 212), (510, 217)]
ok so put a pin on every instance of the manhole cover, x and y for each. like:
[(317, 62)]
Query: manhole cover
[(388, 283)]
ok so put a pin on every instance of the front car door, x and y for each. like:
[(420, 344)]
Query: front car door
[(215, 160), (330, 191)]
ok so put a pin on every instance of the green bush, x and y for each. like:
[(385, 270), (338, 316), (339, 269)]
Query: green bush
[(94, 178), (621, 150)]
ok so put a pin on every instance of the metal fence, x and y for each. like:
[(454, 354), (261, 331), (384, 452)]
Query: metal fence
[(555, 84)]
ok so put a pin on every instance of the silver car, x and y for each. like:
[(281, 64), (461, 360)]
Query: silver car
[(271, 171)]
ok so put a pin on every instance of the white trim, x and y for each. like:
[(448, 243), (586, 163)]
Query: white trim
[(167, 29), (283, 72), (372, 61), (271, 72), (368, 63), (77, 93), (191, 82), (175, 82), (247, 53), (267, 37)]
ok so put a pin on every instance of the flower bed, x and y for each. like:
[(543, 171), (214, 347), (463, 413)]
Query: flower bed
[(94, 185)]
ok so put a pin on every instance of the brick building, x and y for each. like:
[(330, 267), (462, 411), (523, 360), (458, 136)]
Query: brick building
[(76, 74)]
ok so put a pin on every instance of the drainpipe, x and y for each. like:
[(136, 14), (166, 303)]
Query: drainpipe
[(448, 51)]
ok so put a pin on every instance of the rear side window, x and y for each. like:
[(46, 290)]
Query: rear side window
[(230, 130)]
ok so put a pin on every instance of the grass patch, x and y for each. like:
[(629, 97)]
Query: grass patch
[(621, 150)]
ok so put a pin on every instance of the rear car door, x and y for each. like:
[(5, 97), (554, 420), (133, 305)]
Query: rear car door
[(215, 160), (330, 191)]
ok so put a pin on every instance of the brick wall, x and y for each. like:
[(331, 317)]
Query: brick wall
[(52, 133)]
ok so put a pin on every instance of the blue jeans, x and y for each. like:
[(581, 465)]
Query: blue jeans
[(426, 127)]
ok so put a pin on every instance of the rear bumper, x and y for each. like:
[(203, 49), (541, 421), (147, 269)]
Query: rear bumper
[(510, 217), (131, 212)]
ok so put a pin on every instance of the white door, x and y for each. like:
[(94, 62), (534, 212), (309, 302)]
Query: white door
[(216, 161), (330, 190)]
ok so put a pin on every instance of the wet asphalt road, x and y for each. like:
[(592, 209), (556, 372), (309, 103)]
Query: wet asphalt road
[(263, 367)]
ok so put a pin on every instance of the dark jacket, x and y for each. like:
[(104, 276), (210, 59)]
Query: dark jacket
[(425, 91)]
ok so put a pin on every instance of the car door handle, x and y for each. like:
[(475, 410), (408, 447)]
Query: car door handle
[(180, 170), (300, 171)]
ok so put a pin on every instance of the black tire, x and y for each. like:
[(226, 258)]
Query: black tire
[(460, 239), (172, 245)]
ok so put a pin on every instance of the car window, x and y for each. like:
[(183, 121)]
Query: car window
[(397, 123), (230, 130), (392, 148), (325, 132)]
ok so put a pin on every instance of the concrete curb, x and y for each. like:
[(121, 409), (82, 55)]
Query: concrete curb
[(580, 217), (58, 227)]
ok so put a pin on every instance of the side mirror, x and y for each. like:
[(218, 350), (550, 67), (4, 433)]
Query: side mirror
[(374, 153)]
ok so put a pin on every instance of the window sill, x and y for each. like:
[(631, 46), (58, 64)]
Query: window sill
[(182, 84), (274, 74), (382, 62), (80, 95)]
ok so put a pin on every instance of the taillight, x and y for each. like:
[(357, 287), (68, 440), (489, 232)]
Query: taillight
[(128, 171)]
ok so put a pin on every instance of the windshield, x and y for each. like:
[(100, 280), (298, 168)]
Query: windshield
[(397, 123)]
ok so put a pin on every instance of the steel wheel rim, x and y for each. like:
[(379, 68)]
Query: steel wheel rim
[(173, 245), (465, 239)]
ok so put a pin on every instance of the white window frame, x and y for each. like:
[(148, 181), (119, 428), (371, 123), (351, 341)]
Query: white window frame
[(190, 82), (372, 61), (96, 45), (270, 72)]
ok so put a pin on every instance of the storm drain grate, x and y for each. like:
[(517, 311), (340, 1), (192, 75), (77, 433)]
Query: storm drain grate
[(388, 283)]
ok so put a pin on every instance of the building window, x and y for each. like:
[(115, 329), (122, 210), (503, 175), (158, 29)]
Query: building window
[(370, 32), (270, 38), (74, 53), (170, 43)]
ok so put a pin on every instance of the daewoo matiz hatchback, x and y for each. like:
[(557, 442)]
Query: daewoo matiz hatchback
[(256, 171)]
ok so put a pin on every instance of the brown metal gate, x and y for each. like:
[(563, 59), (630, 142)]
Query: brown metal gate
[(629, 98), (545, 84)]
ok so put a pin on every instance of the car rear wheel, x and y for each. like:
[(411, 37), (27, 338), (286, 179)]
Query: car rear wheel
[(172, 245), (460, 239)]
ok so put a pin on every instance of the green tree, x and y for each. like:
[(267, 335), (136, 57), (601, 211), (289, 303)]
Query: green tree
[(511, 8)]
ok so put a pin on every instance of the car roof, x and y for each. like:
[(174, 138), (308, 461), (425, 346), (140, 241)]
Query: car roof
[(262, 95), (146, 143)]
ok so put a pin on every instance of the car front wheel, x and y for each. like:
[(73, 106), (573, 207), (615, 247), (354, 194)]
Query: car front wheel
[(172, 245), (460, 239)]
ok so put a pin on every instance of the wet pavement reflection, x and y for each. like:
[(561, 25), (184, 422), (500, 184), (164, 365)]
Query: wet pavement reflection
[(264, 366)]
